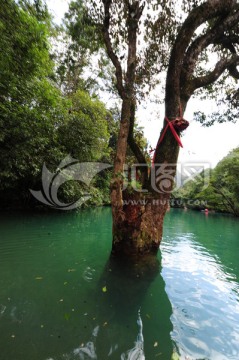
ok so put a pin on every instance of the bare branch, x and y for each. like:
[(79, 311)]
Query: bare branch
[(110, 51), (220, 67)]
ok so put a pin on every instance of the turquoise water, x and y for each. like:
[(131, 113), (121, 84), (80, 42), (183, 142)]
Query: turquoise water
[(63, 298)]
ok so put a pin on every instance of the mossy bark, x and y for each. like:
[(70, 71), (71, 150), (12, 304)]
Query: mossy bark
[(139, 231)]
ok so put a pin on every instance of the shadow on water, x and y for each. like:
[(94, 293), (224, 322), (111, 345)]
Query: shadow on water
[(63, 298), (125, 301)]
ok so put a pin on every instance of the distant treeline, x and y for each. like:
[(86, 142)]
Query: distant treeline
[(216, 189)]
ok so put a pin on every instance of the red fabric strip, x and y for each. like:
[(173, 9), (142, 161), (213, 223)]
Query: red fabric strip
[(177, 138)]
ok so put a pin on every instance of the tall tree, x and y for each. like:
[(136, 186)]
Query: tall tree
[(210, 26), (30, 104)]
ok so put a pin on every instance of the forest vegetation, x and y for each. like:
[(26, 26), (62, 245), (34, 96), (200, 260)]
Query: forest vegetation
[(218, 193)]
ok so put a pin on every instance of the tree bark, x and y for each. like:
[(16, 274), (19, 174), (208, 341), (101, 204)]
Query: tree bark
[(138, 223)]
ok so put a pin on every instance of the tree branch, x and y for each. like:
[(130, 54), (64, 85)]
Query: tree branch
[(220, 67), (110, 51), (233, 71), (134, 14), (213, 36), (228, 42), (199, 15)]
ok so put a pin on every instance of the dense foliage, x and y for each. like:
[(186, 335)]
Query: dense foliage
[(219, 194), (38, 122)]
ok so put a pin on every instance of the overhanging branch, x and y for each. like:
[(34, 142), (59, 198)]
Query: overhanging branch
[(215, 35), (228, 42), (201, 14), (220, 67)]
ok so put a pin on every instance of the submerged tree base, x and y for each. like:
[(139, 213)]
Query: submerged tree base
[(137, 230)]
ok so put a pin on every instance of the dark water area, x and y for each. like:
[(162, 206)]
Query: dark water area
[(63, 298)]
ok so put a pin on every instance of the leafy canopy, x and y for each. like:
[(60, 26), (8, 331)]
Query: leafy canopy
[(157, 31), (38, 124)]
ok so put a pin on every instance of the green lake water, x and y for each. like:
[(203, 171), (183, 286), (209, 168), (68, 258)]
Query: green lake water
[(63, 298)]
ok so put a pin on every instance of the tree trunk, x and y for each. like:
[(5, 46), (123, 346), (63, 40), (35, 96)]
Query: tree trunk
[(139, 230), (137, 215)]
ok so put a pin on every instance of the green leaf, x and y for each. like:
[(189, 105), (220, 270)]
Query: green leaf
[(67, 316)]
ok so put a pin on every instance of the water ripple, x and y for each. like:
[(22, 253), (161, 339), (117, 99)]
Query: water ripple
[(205, 301)]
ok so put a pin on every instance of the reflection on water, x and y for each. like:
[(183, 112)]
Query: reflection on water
[(88, 351), (62, 297), (203, 290), (137, 353), (127, 286), (206, 320)]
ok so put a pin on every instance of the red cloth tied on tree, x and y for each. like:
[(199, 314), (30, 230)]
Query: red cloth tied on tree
[(178, 124)]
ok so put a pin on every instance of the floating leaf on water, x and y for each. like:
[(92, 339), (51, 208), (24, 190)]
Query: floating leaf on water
[(65, 283), (105, 323), (71, 270), (104, 289), (38, 278), (155, 344), (67, 316), (42, 326), (72, 309), (61, 300), (13, 336), (148, 316)]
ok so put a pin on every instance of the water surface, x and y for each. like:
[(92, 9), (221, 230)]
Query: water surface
[(61, 297)]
